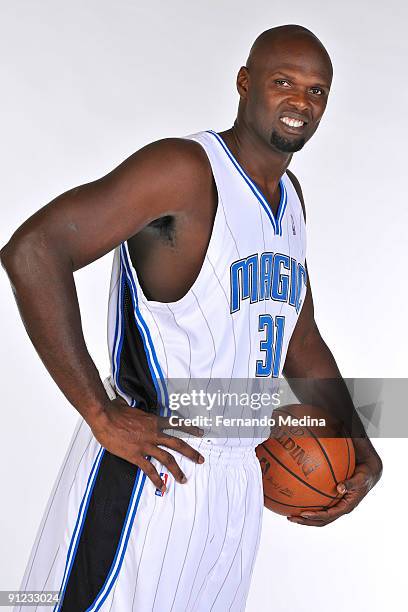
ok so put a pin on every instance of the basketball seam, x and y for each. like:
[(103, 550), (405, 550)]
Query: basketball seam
[(294, 505), (336, 482), (296, 476), (334, 501)]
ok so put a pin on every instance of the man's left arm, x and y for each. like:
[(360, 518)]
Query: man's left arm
[(314, 377)]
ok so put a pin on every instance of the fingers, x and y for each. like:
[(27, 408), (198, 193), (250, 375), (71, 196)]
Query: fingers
[(319, 518), (360, 481), (303, 521), (151, 473), (169, 461), (181, 446), (353, 491), (314, 519)]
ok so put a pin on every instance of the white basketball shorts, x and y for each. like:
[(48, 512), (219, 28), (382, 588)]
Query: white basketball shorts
[(110, 541)]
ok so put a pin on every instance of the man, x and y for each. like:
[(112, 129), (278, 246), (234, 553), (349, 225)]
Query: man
[(140, 519)]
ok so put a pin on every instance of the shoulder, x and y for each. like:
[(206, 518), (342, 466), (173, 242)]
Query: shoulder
[(298, 190), (170, 174), (182, 156)]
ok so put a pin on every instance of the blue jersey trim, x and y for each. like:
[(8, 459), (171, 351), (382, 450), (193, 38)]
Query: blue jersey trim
[(76, 534), (124, 536), (276, 222), (117, 345), (154, 365), (282, 208)]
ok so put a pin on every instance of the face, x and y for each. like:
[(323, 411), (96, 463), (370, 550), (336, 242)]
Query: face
[(284, 93)]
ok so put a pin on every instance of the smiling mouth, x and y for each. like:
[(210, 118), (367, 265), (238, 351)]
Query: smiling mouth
[(293, 123)]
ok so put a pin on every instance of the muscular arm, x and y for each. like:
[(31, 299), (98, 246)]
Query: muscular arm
[(77, 228), (314, 377)]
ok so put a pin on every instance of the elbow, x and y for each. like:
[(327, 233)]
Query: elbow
[(31, 254), (7, 255), (19, 254)]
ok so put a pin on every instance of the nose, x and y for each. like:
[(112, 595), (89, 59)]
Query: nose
[(299, 101)]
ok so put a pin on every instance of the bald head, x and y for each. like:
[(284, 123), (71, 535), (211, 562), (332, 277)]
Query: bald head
[(289, 36)]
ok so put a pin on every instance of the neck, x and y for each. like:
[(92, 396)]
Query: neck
[(264, 164)]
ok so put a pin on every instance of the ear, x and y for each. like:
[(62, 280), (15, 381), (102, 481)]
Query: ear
[(243, 82)]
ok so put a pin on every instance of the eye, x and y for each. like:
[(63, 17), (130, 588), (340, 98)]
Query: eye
[(282, 82), (317, 91)]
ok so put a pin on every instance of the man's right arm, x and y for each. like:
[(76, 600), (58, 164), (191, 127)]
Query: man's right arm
[(69, 233)]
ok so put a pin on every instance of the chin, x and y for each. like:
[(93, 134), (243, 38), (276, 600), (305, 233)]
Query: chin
[(287, 145)]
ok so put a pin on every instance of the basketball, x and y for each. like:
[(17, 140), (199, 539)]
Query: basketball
[(303, 460)]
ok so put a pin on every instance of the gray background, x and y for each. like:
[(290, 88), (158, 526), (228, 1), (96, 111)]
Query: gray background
[(84, 84)]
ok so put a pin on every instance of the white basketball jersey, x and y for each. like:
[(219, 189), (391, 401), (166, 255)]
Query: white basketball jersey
[(236, 320)]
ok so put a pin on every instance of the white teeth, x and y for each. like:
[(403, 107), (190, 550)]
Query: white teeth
[(292, 122)]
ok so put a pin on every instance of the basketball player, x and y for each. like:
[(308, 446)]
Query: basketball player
[(140, 519)]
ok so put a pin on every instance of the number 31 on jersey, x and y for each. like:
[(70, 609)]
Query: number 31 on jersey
[(271, 344)]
